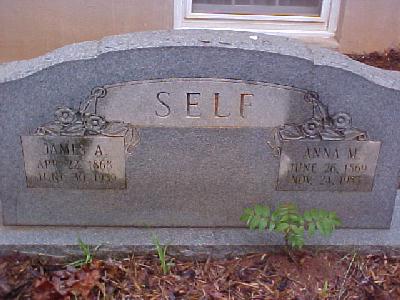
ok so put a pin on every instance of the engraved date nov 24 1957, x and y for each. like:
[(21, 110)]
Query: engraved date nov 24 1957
[(328, 165)]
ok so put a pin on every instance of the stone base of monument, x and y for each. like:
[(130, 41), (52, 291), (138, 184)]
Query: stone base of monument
[(185, 242)]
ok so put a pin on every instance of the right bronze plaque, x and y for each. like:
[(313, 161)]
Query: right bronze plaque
[(344, 166)]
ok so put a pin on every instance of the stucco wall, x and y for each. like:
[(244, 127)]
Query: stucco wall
[(29, 28), (369, 25)]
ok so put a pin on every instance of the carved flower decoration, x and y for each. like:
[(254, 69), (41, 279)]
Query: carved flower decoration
[(94, 123), (312, 128), (65, 116), (342, 121)]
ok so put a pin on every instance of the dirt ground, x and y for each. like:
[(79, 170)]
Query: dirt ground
[(389, 60), (321, 275)]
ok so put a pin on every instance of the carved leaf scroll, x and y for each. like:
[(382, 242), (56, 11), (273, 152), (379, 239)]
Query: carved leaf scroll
[(86, 122), (321, 126)]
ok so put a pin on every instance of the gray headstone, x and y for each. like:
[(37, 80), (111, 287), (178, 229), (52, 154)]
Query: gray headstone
[(202, 123)]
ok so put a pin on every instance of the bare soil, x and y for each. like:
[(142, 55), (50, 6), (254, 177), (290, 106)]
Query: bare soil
[(320, 275), (389, 59)]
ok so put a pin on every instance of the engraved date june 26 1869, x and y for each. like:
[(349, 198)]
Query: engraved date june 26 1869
[(328, 165)]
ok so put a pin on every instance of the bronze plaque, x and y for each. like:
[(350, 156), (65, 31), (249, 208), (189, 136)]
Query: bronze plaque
[(202, 102), (74, 162), (345, 166)]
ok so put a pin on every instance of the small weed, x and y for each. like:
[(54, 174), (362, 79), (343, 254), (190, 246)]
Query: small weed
[(162, 256), (87, 255), (324, 291)]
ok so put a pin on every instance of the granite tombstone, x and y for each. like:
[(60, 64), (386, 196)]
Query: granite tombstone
[(185, 129)]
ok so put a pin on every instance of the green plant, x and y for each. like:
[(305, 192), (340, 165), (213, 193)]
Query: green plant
[(286, 219), (324, 291), (87, 255), (162, 256)]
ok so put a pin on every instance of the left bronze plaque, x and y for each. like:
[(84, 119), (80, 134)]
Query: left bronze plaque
[(74, 162)]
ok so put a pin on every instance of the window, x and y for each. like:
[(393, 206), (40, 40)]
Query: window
[(285, 17)]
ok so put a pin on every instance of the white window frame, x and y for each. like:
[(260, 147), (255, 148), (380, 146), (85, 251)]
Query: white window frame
[(295, 26)]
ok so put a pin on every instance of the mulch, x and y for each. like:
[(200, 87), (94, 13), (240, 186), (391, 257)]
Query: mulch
[(317, 275), (389, 59)]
